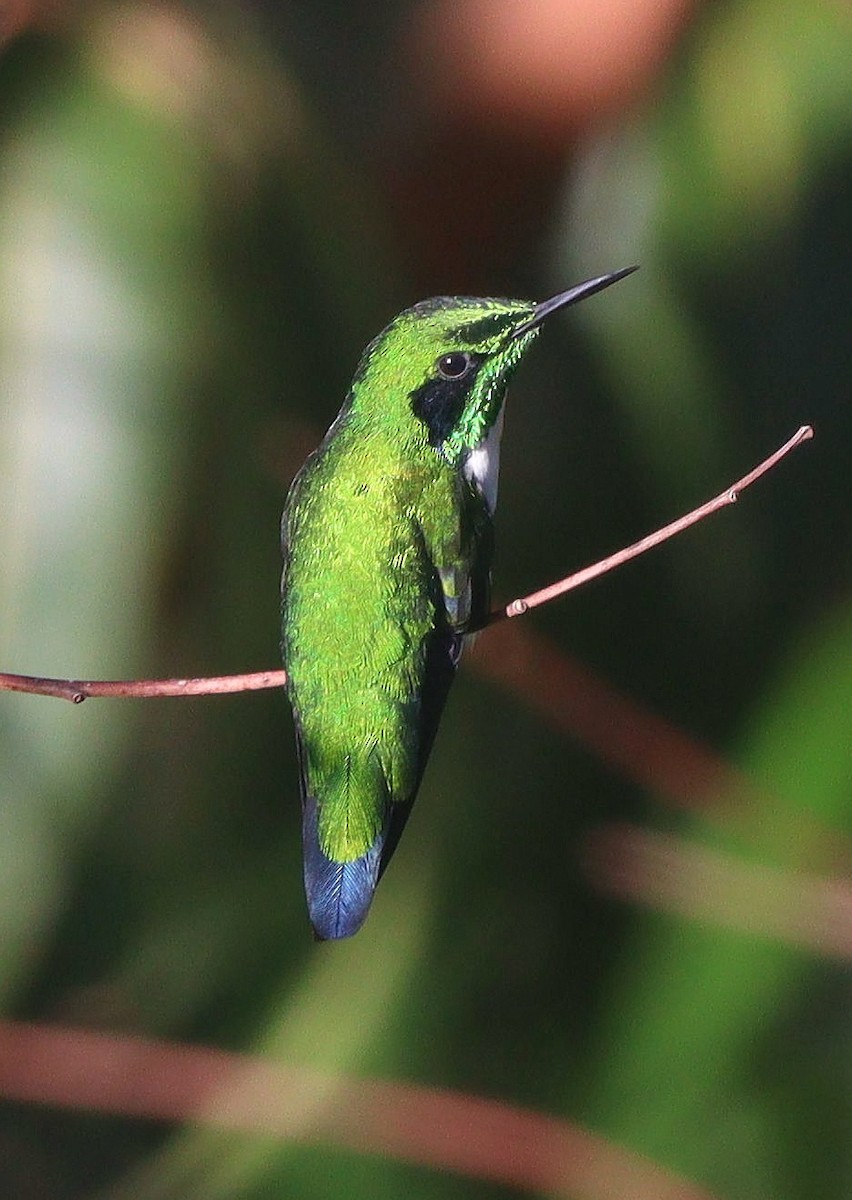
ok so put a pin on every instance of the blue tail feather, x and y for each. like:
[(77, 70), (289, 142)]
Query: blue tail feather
[(339, 894)]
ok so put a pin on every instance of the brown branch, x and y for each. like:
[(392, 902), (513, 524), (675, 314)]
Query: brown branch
[(78, 690)]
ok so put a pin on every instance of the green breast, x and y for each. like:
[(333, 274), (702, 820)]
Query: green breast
[(368, 529)]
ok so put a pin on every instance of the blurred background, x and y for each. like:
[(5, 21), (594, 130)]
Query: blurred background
[(623, 897)]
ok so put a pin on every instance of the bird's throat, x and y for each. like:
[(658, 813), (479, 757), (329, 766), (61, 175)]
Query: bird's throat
[(482, 465)]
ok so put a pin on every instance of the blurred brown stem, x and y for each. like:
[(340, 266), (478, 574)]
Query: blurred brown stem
[(78, 690), (89, 1071)]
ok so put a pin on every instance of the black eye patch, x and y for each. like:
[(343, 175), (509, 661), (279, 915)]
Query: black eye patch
[(439, 403)]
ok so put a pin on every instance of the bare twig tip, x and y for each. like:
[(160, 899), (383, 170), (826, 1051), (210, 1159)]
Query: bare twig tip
[(730, 496)]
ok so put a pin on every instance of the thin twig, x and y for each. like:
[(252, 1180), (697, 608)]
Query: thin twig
[(78, 690), (730, 496)]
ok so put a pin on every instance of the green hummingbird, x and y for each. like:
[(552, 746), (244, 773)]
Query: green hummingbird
[(387, 542)]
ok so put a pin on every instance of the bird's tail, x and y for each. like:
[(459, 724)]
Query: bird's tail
[(339, 894)]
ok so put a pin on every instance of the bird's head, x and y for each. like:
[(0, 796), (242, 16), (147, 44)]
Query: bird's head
[(439, 371)]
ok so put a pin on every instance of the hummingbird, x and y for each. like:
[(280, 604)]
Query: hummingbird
[(387, 539)]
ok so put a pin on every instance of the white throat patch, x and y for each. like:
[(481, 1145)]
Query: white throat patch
[(482, 465)]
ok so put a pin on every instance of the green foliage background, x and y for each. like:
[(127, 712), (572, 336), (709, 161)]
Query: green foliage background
[(200, 228)]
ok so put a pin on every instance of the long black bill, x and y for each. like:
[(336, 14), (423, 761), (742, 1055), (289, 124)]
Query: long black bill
[(580, 292)]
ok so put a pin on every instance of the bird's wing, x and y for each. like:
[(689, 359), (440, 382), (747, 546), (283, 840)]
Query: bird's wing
[(465, 576), (460, 596)]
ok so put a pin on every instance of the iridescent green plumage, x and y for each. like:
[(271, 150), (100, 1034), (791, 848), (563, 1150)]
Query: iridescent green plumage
[(387, 544)]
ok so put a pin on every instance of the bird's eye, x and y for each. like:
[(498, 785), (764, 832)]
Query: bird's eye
[(455, 365)]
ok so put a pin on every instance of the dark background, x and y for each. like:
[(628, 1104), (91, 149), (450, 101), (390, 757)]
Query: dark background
[(206, 211)]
